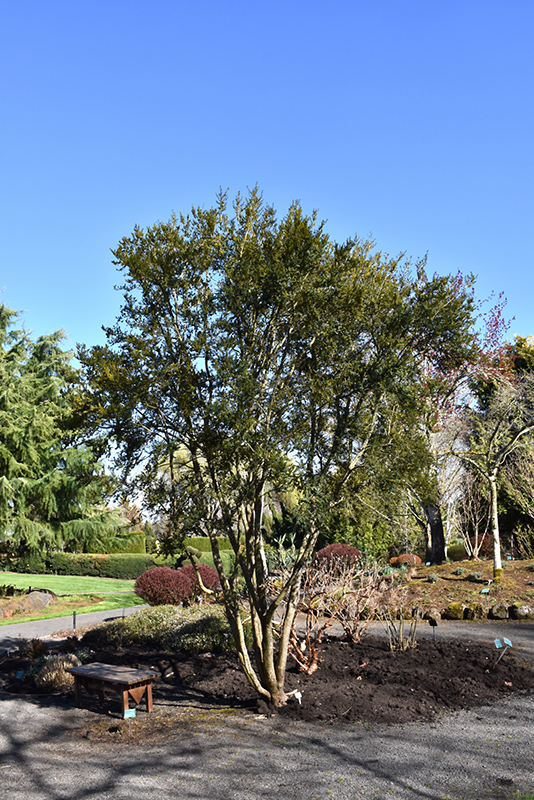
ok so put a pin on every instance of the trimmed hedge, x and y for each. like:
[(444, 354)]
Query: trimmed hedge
[(118, 565), (203, 543)]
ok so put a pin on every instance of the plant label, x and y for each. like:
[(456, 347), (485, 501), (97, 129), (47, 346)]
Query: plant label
[(19, 675), (485, 591), (129, 713), (508, 643), (498, 644)]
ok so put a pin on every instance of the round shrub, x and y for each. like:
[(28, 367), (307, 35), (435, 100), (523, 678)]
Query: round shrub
[(405, 558), (208, 575), (337, 553), (196, 629), (163, 586)]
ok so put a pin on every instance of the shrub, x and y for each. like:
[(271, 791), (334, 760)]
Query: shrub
[(163, 586), (337, 552), (474, 577), (432, 578), (405, 558), (208, 574), (197, 629), (459, 571)]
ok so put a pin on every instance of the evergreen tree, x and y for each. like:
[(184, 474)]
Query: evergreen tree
[(50, 495)]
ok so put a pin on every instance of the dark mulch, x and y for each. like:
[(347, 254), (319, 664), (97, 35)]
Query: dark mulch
[(355, 683)]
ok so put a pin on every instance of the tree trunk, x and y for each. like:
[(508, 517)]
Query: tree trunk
[(497, 565), (435, 546)]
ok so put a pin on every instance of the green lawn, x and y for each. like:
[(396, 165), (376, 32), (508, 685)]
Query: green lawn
[(82, 594), (66, 584)]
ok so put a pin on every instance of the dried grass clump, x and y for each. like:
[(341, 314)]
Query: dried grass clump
[(53, 675)]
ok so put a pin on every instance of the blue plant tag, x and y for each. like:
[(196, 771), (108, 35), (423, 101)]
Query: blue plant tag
[(129, 713), (19, 674), (508, 642), (498, 644), (485, 591)]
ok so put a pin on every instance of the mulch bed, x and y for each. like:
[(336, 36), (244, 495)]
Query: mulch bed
[(364, 683)]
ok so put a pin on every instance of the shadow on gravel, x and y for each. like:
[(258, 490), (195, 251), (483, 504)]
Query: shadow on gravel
[(45, 753)]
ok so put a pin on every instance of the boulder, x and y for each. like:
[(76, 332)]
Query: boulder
[(474, 611), (499, 611), (454, 611), (518, 611)]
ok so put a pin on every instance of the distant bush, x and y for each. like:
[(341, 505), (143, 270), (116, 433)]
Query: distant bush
[(163, 586), (405, 558), (337, 552), (208, 575)]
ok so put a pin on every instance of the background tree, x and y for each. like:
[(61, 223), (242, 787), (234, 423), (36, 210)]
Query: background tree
[(494, 431), (48, 486), (272, 356)]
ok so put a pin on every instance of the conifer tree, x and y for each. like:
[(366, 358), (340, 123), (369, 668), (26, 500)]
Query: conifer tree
[(49, 492)]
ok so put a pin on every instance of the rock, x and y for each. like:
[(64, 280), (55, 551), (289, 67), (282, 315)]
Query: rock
[(518, 611), (474, 611), (432, 615), (454, 611), (499, 611)]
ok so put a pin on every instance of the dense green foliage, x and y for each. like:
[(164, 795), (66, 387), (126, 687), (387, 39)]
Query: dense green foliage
[(50, 484), (197, 629), (255, 358)]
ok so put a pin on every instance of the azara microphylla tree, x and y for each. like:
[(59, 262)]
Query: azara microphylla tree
[(254, 356)]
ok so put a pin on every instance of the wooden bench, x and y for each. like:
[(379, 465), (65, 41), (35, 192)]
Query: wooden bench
[(127, 682)]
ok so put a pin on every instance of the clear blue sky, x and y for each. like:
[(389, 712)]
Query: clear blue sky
[(410, 120)]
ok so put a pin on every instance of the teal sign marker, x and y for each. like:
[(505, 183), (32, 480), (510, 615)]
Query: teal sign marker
[(129, 713)]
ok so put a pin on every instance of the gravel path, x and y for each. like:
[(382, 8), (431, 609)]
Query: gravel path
[(483, 753)]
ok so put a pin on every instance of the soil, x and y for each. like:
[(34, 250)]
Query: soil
[(364, 683)]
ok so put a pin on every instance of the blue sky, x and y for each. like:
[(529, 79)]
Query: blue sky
[(408, 120)]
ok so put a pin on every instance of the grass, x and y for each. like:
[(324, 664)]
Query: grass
[(66, 584), (82, 594)]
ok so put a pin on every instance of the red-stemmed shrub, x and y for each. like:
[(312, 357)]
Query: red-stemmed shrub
[(405, 558), (209, 577), (337, 552), (163, 586)]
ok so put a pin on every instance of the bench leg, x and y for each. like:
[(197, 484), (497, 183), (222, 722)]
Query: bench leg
[(125, 702), (149, 706)]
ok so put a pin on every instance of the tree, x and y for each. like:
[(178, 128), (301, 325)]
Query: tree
[(48, 486), (500, 426), (272, 356)]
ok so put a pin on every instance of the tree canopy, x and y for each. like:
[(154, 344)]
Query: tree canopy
[(275, 359)]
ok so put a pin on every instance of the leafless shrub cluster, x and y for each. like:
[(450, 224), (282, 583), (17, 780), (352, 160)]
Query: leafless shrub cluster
[(337, 592)]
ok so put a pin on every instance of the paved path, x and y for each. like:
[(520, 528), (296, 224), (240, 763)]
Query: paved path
[(10, 635)]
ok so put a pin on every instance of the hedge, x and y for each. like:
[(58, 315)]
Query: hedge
[(116, 565), (203, 543)]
